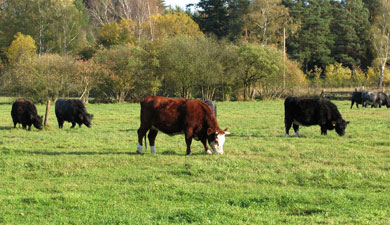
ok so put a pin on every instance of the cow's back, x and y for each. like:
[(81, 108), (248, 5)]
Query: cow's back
[(165, 114), (23, 108), (171, 115)]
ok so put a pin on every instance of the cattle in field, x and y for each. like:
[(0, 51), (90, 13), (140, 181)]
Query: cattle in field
[(375, 99), (24, 112), (313, 111), (173, 116), (357, 98), (73, 111), (213, 106), (382, 99)]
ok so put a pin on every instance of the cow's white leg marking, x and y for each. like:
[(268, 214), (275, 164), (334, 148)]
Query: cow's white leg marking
[(297, 133), (286, 135), (209, 152), (139, 148), (153, 149)]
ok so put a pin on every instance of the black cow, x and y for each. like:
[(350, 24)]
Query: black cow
[(382, 99), (375, 99), (213, 106), (313, 111), (357, 98), (24, 112), (72, 110)]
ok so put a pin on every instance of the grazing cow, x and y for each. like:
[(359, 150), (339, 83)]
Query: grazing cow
[(72, 110), (309, 111), (382, 99), (357, 98), (213, 106), (172, 116), (24, 112), (375, 99)]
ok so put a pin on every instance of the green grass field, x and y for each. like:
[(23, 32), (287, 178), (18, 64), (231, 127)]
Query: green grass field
[(93, 176)]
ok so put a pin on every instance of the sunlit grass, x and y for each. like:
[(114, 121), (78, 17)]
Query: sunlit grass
[(93, 176)]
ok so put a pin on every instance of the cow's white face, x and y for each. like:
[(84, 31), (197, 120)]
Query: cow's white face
[(217, 144)]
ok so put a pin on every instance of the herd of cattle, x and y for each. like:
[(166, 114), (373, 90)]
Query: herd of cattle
[(197, 119)]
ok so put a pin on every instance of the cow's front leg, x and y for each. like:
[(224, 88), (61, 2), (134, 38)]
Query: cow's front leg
[(324, 129), (206, 147)]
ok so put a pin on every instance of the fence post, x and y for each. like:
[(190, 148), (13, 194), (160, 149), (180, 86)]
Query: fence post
[(322, 93), (47, 112)]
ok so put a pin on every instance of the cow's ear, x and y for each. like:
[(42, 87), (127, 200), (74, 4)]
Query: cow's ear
[(91, 116), (226, 132), (347, 122)]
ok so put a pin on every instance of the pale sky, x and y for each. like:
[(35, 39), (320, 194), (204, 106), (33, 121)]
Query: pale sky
[(181, 3)]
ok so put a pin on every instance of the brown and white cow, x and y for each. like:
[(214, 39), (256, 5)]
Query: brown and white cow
[(172, 116)]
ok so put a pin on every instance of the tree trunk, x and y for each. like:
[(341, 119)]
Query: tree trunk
[(47, 112), (382, 74)]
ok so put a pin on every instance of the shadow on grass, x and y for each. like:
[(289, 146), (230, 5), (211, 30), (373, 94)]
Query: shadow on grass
[(128, 130), (104, 153), (75, 153), (247, 135), (5, 128)]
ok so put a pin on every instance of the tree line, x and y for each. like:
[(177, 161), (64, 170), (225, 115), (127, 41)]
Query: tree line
[(122, 50)]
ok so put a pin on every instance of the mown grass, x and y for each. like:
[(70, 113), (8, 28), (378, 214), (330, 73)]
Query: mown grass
[(93, 176)]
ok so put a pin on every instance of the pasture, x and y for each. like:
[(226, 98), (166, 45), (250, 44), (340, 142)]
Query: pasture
[(93, 176)]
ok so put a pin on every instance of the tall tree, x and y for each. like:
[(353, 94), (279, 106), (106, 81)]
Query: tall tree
[(55, 25), (223, 18), (312, 43), (350, 28), (266, 20), (381, 37)]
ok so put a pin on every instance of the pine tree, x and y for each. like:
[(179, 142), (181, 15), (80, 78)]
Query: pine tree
[(223, 18)]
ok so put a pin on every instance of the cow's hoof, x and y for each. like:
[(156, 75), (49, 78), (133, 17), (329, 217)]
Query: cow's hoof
[(189, 154), (286, 135), (138, 152), (209, 152)]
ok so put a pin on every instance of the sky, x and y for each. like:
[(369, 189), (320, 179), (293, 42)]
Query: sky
[(181, 3)]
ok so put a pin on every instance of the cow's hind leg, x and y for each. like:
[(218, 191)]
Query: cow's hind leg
[(296, 129), (287, 122), (188, 136), (141, 134), (152, 137), (352, 104), (188, 142)]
